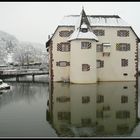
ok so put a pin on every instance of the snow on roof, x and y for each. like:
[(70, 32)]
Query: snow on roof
[(97, 20), (80, 35), (83, 25)]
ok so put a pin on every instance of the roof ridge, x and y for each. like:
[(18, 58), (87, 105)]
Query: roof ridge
[(111, 16)]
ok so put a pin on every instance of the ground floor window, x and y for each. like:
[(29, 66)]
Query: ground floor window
[(62, 63)]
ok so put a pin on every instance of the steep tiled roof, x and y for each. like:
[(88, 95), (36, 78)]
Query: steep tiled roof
[(95, 20), (83, 23)]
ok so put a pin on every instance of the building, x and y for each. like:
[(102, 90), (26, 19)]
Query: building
[(91, 48)]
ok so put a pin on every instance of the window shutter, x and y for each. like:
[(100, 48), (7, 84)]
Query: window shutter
[(68, 63), (59, 48), (57, 63), (124, 62)]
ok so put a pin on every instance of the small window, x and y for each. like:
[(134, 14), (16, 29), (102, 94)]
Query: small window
[(63, 115), (100, 64), (123, 33), (85, 67), (84, 30), (62, 63), (106, 108), (63, 47), (85, 45), (65, 33), (99, 32), (124, 62), (124, 99), (100, 99), (123, 114), (122, 128), (123, 47), (100, 128), (85, 99), (125, 74), (106, 53), (86, 121), (99, 114), (99, 48), (63, 99)]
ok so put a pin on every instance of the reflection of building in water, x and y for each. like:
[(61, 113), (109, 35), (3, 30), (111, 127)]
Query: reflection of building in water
[(106, 109)]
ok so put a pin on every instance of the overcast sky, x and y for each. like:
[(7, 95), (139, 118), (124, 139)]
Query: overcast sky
[(34, 21)]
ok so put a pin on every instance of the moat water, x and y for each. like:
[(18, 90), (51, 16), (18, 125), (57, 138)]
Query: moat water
[(106, 109)]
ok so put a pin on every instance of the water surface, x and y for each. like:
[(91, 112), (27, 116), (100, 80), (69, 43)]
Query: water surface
[(93, 110), (69, 110)]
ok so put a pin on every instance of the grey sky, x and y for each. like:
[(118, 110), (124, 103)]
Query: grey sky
[(34, 21)]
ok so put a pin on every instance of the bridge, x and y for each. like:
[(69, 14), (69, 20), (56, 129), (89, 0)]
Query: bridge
[(19, 73)]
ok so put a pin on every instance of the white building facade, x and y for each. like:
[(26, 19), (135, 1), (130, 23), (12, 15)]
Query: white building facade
[(88, 49)]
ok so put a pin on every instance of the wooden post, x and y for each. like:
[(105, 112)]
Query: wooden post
[(33, 77), (17, 78)]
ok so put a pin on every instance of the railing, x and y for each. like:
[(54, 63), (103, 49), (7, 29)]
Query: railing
[(23, 72)]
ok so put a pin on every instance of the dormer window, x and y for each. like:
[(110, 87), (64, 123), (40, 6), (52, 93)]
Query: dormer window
[(84, 28)]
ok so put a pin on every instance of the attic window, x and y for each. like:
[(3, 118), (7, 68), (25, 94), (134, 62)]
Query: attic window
[(65, 33), (84, 30), (123, 33), (99, 32)]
